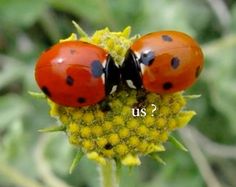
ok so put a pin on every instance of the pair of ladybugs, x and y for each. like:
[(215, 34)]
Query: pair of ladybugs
[(76, 73)]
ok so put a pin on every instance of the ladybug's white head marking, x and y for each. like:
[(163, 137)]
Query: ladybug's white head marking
[(142, 67), (130, 84), (147, 57), (137, 55), (114, 88), (103, 78)]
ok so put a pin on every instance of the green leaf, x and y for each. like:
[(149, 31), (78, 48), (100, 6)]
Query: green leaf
[(12, 107), (12, 70), (21, 13), (163, 15), (13, 142), (220, 77), (88, 9)]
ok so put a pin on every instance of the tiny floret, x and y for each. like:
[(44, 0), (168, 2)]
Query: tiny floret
[(131, 160)]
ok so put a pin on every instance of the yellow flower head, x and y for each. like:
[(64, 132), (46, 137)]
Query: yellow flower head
[(129, 128)]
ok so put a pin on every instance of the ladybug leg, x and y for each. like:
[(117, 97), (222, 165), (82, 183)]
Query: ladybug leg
[(104, 106), (141, 95), (131, 71), (112, 76)]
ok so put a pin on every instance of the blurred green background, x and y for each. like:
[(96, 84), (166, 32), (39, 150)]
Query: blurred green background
[(31, 159)]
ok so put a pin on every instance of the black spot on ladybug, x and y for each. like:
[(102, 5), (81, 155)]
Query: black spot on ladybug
[(46, 91), (166, 38), (198, 71), (69, 80), (175, 62), (81, 100), (108, 146), (97, 68), (167, 85), (147, 58), (72, 51)]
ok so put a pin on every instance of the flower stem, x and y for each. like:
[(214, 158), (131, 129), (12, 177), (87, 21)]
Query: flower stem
[(108, 174)]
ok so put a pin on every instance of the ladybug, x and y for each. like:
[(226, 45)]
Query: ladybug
[(76, 73), (163, 62)]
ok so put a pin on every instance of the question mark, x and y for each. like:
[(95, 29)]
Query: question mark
[(155, 108)]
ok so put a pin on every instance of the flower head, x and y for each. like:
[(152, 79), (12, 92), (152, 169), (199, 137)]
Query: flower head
[(118, 128)]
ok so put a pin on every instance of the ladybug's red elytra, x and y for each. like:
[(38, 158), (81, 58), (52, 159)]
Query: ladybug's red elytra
[(163, 62), (76, 73)]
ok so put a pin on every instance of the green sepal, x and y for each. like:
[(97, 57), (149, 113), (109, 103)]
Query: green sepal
[(55, 128), (76, 161), (38, 95), (192, 96), (127, 31), (80, 31), (177, 143), (135, 37), (157, 158)]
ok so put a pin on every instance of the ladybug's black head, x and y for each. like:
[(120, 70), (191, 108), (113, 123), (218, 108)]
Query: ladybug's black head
[(112, 76), (130, 70)]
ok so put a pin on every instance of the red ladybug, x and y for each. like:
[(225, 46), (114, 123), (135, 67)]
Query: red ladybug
[(163, 62), (76, 73)]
